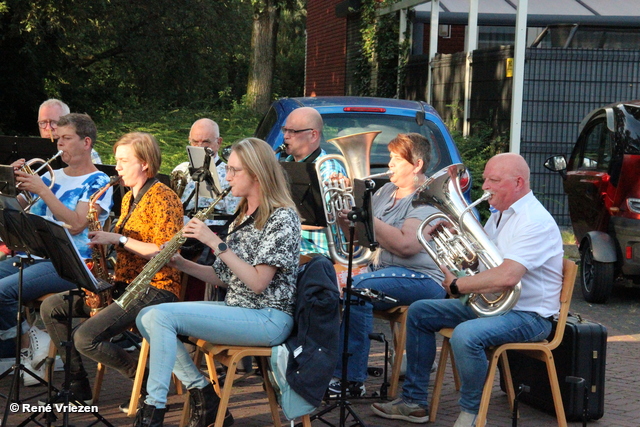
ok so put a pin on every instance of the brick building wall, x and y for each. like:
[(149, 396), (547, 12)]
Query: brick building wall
[(326, 49)]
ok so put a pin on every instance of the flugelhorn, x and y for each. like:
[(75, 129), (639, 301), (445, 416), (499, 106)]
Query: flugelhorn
[(27, 168), (355, 151), (462, 245)]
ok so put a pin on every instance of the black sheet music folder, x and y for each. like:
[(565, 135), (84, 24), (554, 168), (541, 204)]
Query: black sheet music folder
[(305, 191)]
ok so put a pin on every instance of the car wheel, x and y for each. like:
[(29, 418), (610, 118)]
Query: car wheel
[(597, 277)]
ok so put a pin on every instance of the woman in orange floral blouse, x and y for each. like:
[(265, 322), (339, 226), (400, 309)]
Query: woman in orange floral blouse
[(151, 215)]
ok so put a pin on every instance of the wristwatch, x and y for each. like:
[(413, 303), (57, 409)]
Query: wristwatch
[(122, 241), (222, 248), (453, 287)]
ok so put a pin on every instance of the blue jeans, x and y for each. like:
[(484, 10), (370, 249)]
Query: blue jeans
[(38, 279), (209, 320), (400, 283), (471, 336)]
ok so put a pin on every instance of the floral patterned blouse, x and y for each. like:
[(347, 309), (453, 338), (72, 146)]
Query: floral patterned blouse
[(278, 245), (156, 219)]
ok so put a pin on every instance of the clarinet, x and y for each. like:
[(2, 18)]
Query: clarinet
[(141, 283)]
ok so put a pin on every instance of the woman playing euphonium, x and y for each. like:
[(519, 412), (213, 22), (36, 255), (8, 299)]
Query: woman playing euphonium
[(402, 269)]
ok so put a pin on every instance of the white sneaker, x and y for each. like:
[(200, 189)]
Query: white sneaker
[(466, 419), (26, 360), (39, 342)]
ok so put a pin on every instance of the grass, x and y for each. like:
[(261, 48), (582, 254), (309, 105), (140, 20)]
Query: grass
[(171, 129)]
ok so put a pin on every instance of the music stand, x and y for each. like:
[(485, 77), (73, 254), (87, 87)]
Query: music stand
[(69, 265), (305, 192), (359, 214), (18, 235), (13, 148)]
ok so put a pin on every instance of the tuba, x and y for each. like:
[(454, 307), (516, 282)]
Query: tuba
[(28, 168), (355, 151), (466, 245)]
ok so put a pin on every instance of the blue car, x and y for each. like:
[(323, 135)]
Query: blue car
[(346, 115)]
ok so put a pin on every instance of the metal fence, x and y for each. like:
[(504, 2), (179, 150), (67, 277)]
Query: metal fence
[(560, 87)]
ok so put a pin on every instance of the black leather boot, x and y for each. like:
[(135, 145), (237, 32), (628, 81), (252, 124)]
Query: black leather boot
[(204, 407), (149, 416)]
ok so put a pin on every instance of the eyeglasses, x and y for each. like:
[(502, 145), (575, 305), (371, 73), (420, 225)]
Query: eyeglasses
[(52, 123), (231, 171), (293, 131), (202, 142)]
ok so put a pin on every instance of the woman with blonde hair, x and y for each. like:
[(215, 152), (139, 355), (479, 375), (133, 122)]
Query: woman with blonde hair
[(258, 266)]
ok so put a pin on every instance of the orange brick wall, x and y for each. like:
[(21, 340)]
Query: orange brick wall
[(326, 49)]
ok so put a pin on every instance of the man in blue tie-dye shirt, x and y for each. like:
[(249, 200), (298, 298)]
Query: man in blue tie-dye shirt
[(66, 201)]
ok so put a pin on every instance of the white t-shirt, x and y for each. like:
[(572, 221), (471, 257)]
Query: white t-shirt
[(73, 189), (529, 235)]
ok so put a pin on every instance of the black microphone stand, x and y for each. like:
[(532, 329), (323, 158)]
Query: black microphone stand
[(199, 175), (362, 215)]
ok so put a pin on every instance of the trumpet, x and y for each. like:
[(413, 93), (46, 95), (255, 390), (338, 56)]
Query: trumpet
[(27, 168)]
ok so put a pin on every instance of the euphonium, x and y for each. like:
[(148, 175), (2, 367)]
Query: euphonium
[(464, 245), (98, 263), (355, 151), (141, 283), (27, 168)]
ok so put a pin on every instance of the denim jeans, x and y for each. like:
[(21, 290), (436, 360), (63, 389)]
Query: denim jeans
[(213, 321), (38, 279), (92, 337), (400, 283), (471, 336)]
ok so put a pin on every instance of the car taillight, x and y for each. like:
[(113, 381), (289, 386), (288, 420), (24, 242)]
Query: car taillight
[(634, 205), (465, 181), (364, 110), (629, 252)]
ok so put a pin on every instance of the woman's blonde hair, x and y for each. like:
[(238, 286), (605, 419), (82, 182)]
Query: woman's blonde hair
[(258, 159), (145, 148)]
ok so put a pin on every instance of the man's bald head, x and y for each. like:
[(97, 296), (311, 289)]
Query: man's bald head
[(506, 177), (303, 132), (205, 133)]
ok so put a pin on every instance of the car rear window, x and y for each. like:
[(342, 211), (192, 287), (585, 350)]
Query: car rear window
[(632, 131), (347, 124)]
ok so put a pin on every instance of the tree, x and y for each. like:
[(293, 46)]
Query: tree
[(264, 37)]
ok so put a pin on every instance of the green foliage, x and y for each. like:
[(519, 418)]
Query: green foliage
[(377, 67), (476, 150), (171, 128)]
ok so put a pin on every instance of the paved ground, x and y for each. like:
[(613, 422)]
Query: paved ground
[(248, 403)]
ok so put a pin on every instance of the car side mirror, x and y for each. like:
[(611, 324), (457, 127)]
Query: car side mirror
[(558, 164)]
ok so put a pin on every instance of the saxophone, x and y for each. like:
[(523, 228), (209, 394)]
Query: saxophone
[(98, 262), (141, 283)]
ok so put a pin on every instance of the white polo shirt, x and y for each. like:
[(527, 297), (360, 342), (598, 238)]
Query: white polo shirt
[(529, 235)]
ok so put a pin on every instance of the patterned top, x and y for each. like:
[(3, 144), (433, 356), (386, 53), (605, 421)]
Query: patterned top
[(156, 219), (315, 241), (73, 189), (277, 244)]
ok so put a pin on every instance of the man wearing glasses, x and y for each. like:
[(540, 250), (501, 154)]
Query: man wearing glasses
[(302, 136), (206, 133), (48, 116)]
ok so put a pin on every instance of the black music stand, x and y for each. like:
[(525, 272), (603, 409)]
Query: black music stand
[(305, 192), (13, 148), (69, 265), (17, 233), (360, 214)]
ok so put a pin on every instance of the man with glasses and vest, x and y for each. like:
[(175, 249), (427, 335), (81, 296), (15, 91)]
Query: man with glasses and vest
[(302, 136)]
